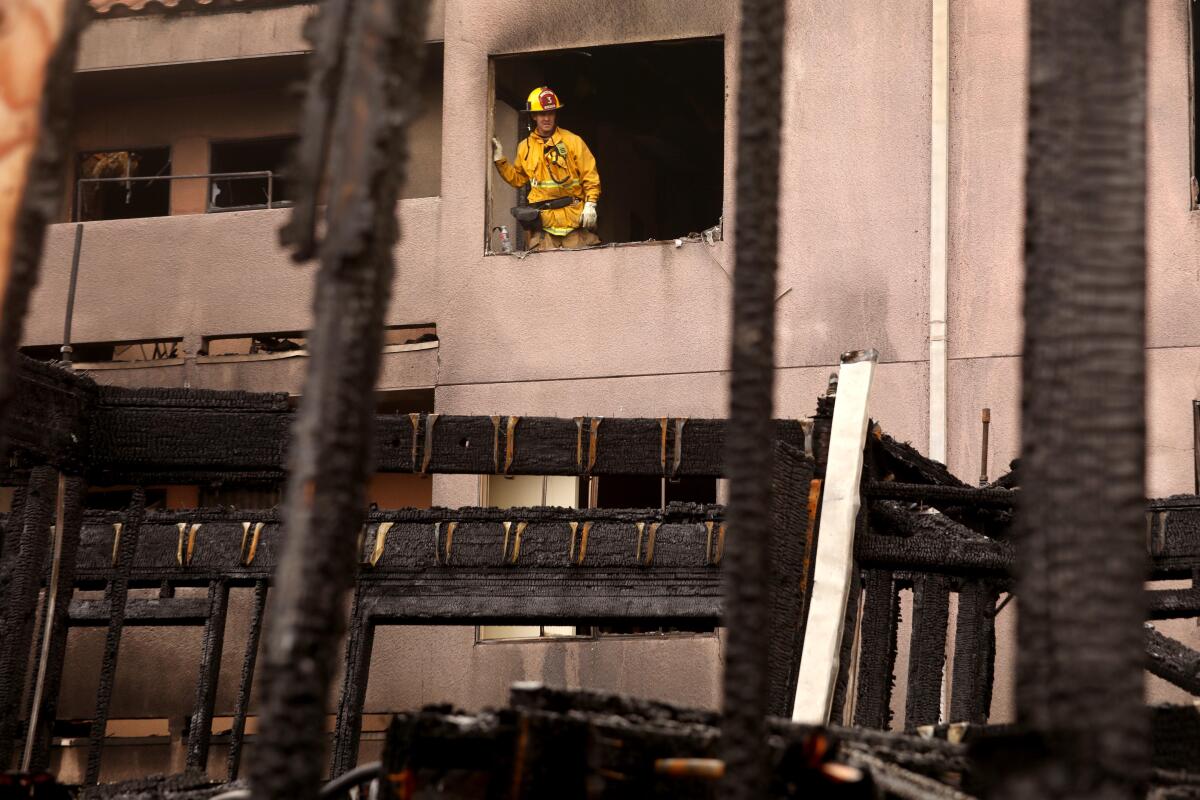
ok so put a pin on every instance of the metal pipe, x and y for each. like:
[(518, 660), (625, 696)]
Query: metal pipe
[(983, 464), (939, 205), (66, 348), (48, 616)]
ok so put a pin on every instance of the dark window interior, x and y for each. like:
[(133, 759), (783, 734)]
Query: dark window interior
[(652, 113), (645, 491), (254, 155), (120, 499), (94, 352), (123, 199), (241, 495), (633, 628)]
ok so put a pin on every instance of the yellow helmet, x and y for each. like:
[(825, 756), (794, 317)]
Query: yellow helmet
[(542, 98)]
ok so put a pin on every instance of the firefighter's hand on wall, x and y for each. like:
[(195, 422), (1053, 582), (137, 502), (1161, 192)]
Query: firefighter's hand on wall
[(497, 150), (588, 218)]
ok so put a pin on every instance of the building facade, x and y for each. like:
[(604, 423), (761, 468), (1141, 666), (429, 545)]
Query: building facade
[(182, 281)]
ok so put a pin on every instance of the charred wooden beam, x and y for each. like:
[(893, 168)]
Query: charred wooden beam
[(200, 546), (751, 387), (249, 657), (369, 96), (974, 653), (218, 433), (116, 592), (927, 651), (1172, 660), (876, 671), (1080, 519), (56, 642), (1174, 603), (200, 725), (793, 539), (20, 583), (48, 416), (902, 538), (939, 496)]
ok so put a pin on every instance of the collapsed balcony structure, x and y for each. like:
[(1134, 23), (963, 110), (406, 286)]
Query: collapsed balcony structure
[(921, 529), (1076, 549)]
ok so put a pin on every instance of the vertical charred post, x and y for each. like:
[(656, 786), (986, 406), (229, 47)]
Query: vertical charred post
[(370, 90), (76, 495), (116, 592), (21, 577), (750, 447), (1080, 520)]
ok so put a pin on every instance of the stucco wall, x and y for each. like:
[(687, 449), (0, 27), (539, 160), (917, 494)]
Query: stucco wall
[(152, 39), (988, 79)]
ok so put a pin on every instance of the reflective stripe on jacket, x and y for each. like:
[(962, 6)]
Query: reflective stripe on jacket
[(561, 166)]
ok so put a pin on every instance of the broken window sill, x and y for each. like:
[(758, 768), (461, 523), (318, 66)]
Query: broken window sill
[(91, 366), (246, 357), (675, 243)]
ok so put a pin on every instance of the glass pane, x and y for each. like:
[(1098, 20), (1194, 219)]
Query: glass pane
[(490, 632), (558, 630)]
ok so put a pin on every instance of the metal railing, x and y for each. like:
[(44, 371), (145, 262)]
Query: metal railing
[(210, 176)]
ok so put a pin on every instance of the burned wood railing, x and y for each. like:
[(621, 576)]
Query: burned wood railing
[(439, 566)]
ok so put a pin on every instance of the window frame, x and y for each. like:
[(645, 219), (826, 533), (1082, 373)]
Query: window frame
[(209, 208), (76, 209), (493, 183)]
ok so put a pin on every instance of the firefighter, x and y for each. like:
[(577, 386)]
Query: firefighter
[(557, 165)]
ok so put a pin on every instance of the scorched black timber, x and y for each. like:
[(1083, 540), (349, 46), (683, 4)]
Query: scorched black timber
[(974, 653), (148, 434), (877, 660), (1172, 661), (47, 417), (116, 593), (76, 491), (20, 582), (927, 651), (1080, 525), (792, 533)]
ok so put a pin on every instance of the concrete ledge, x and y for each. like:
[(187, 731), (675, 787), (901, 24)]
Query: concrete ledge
[(149, 39)]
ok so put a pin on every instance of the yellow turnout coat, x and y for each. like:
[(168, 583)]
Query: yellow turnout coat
[(561, 166)]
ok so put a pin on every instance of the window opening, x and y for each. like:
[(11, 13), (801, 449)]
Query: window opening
[(266, 343), (631, 629), (250, 191), (652, 114), (645, 491), (118, 498), (101, 352), (241, 495), (123, 184), (520, 491)]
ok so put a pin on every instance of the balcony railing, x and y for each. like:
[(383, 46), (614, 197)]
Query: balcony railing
[(210, 208)]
